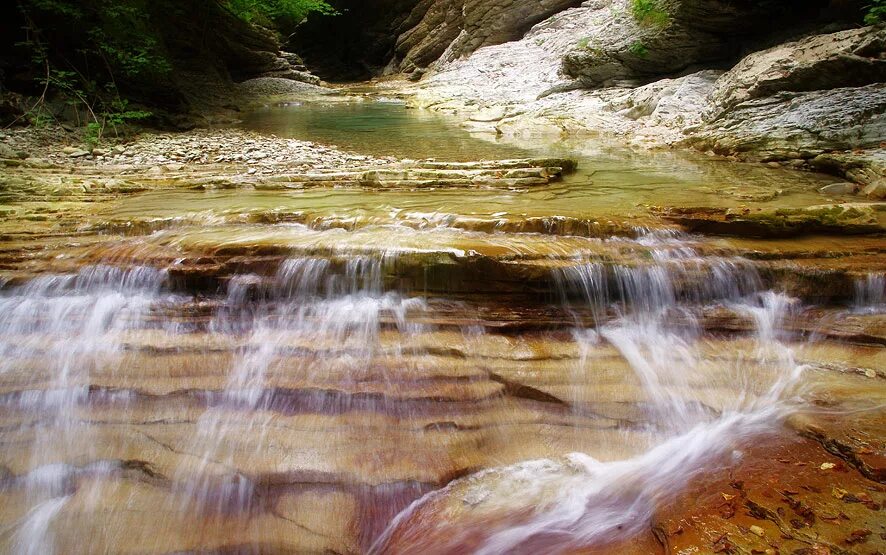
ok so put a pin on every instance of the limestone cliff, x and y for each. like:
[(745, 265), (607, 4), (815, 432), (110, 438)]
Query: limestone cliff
[(721, 79)]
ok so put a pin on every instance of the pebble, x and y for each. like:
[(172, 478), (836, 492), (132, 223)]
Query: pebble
[(757, 530), (156, 153)]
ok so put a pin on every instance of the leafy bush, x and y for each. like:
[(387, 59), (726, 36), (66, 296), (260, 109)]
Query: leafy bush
[(650, 12), (79, 50), (876, 12), (639, 49), (284, 15)]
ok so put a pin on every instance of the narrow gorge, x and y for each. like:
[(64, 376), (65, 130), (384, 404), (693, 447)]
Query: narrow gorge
[(443, 277)]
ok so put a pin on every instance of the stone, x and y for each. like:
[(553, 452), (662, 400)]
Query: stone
[(807, 124), (842, 188), (876, 190), (12, 153), (852, 58), (77, 153)]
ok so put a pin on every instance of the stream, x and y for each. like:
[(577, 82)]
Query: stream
[(402, 371)]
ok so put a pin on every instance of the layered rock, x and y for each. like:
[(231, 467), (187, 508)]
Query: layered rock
[(810, 100), (265, 370), (813, 103), (800, 125), (447, 30), (386, 36), (853, 58)]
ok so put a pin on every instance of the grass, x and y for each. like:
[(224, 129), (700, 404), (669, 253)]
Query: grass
[(650, 13), (639, 49)]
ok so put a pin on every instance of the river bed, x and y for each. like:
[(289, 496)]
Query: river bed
[(260, 368)]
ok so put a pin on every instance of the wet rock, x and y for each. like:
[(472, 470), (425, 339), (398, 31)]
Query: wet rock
[(835, 218), (843, 188)]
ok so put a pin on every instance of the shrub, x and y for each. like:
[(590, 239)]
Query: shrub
[(876, 12), (284, 15), (79, 49), (650, 13), (639, 49)]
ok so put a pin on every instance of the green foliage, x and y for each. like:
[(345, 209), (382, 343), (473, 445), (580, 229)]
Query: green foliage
[(39, 117), (94, 42), (650, 13), (93, 134), (116, 32), (583, 43), (284, 15), (639, 49), (876, 12)]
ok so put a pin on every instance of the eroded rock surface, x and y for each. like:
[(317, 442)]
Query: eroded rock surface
[(304, 358)]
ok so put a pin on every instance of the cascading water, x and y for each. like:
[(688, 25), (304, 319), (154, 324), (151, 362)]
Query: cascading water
[(333, 319), (63, 328), (322, 385), (647, 312)]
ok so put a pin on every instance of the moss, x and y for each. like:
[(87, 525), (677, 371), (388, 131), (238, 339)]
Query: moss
[(650, 13), (639, 49)]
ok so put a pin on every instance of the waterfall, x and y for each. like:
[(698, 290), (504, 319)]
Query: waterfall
[(647, 312), (75, 324)]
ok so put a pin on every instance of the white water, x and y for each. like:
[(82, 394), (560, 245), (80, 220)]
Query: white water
[(73, 322), (578, 500), (648, 312), (307, 304)]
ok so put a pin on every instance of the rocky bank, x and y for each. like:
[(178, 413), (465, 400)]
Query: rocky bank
[(699, 77)]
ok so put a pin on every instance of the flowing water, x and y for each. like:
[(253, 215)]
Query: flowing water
[(397, 384)]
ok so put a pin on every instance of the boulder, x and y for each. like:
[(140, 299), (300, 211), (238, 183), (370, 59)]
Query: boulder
[(636, 44), (792, 125), (852, 58), (842, 188)]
